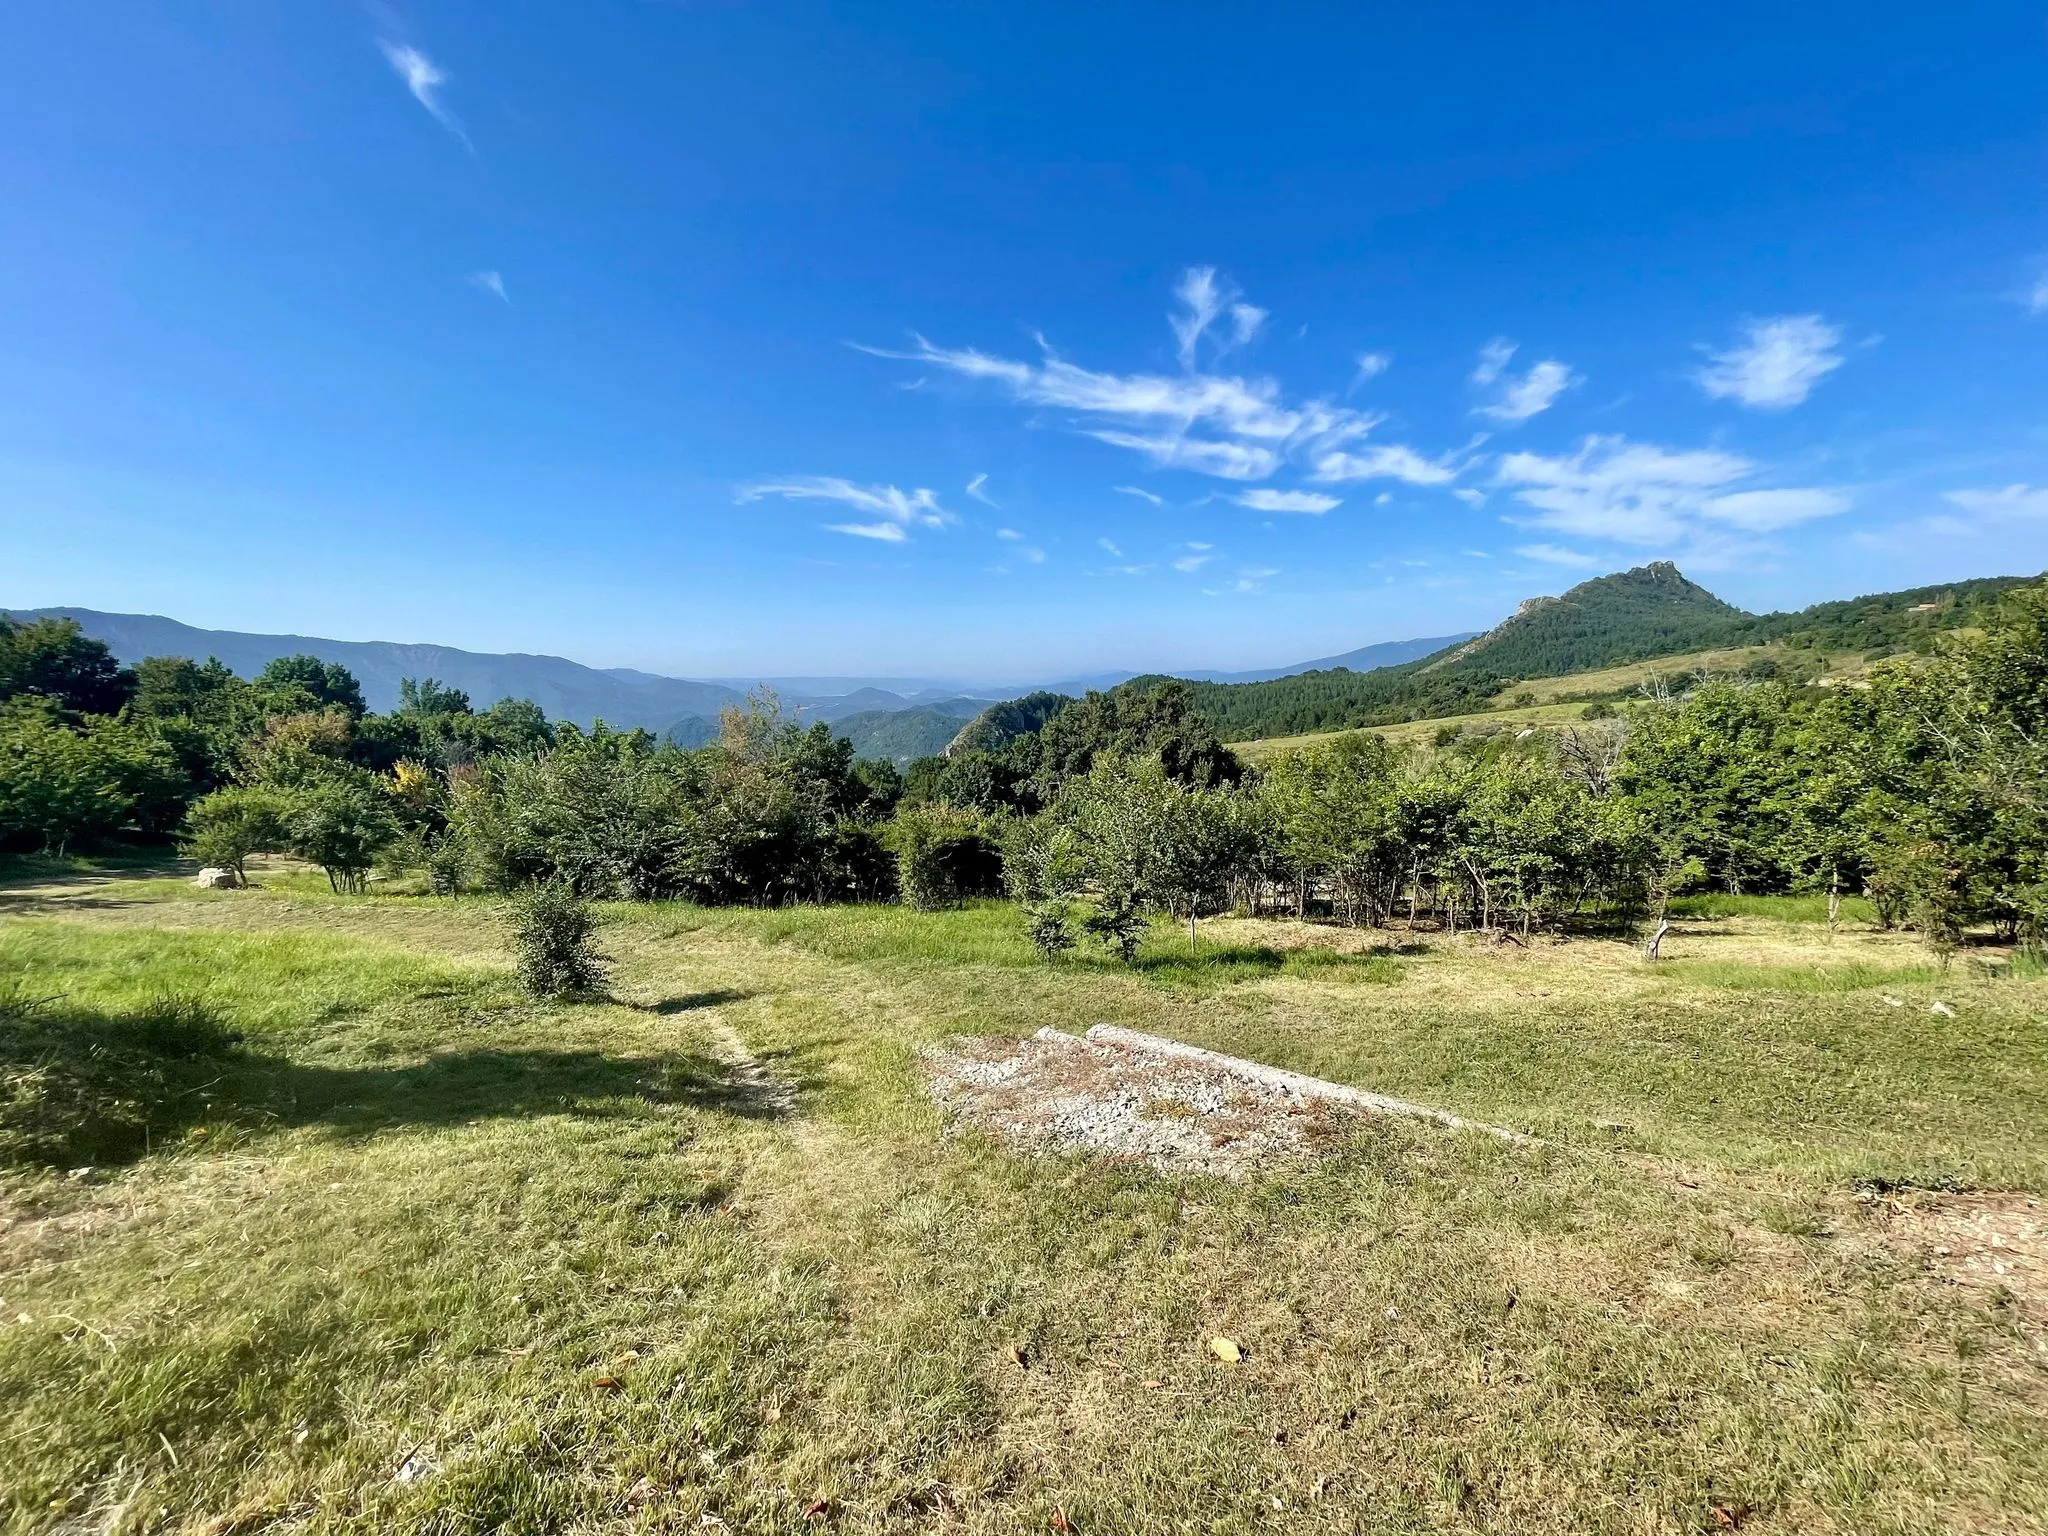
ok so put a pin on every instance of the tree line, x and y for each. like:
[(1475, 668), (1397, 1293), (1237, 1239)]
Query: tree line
[(1920, 786)]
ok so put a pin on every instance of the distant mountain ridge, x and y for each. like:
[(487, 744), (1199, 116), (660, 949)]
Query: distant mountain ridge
[(683, 709), (567, 690)]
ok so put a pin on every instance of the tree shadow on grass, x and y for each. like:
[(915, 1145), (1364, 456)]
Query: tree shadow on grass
[(84, 1088), (690, 1002), (1222, 965)]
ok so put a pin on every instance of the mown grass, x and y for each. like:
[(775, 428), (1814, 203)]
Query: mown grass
[(444, 1260)]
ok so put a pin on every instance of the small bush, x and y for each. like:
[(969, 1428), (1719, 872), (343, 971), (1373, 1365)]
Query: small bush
[(943, 855), (551, 930), (1048, 924), (1119, 924)]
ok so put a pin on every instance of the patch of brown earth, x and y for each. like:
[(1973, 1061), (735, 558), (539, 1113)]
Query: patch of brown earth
[(1992, 1242), (1057, 1092)]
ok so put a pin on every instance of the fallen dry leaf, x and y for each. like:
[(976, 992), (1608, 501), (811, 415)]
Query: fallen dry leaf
[(1153, 1383), (818, 1509), (1017, 1355), (1729, 1516), (1225, 1350), (1060, 1522), (607, 1383)]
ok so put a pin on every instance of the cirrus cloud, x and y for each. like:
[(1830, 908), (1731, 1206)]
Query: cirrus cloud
[(1312, 502), (1776, 365), (899, 511), (424, 78), (1519, 398), (1650, 496), (2005, 501), (1224, 426)]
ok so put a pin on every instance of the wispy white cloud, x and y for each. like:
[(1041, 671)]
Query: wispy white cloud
[(1253, 578), (1141, 493), (424, 78), (1313, 502), (490, 282), (899, 510), (1198, 556), (1533, 393), (1370, 366), (2034, 296), (1470, 496), (974, 489), (1768, 511), (1646, 495), (1555, 554), (1204, 300), (1387, 461), (2005, 501), (1008, 533), (1032, 554), (1518, 399), (1493, 358), (1110, 546), (1777, 363), (1214, 424)]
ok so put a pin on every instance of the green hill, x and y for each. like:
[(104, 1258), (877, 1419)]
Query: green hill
[(1000, 724), (1888, 621), (1629, 616), (899, 735)]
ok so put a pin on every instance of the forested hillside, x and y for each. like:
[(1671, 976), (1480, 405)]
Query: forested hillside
[(1000, 724), (1629, 616), (898, 736), (1888, 621), (1638, 615), (1922, 787)]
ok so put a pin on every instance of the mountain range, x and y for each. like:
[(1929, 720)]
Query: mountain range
[(894, 717), (1650, 612)]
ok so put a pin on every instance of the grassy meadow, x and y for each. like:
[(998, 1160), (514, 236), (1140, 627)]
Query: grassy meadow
[(310, 1222)]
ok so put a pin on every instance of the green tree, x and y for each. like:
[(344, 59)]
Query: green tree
[(229, 825), (56, 660), (301, 684), (342, 825), (429, 696)]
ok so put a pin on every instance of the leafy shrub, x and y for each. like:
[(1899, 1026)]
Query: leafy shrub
[(942, 855), (1048, 924), (230, 824), (551, 930), (1120, 924), (342, 825), (442, 856)]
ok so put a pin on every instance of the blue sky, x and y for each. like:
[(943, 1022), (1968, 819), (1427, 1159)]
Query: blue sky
[(1006, 342)]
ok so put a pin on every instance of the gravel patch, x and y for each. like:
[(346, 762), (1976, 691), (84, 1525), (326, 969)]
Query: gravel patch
[(1056, 1092)]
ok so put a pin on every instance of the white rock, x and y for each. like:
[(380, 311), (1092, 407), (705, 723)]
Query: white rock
[(211, 879)]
